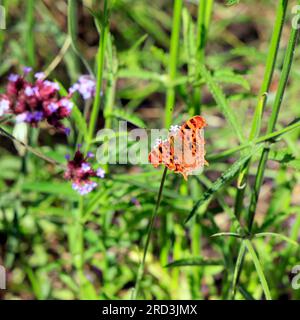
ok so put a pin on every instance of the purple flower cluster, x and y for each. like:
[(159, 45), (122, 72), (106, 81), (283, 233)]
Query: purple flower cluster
[(33, 102), (86, 86), (80, 171)]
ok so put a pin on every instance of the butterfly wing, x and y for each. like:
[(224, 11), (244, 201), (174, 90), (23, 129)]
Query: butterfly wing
[(183, 152), (189, 147)]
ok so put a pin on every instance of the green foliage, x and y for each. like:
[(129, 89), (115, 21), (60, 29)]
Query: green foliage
[(156, 63)]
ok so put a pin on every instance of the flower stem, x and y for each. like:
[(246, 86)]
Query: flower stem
[(170, 100), (203, 22), (169, 107), (72, 30), (27, 147), (150, 228)]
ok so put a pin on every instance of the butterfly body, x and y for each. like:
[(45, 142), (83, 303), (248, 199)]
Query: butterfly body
[(183, 152)]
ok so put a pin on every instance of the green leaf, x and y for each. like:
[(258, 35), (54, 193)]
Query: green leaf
[(197, 261), (55, 188), (225, 177), (227, 234), (278, 235), (189, 42), (76, 114), (141, 74), (237, 268), (245, 293), (228, 76), (129, 117), (221, 101), (259, 269), (286, 158), (79, 120)]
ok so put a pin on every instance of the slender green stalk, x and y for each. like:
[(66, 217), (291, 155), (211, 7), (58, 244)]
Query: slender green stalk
[(271, 125), (100, 68), (29, 33), (259, 269), (258, 114), (72, 30), (169, 107), (238, 269), (56, 61), (203, 22), (150, 228), (27, 147), (80, 243), (110, 90), (170, 100), (272, 122), (112, 71)]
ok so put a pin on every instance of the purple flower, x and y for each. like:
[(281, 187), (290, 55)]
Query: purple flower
[(86, 86), (4, 106), (53, 85), (136, 202), (53, 106), (34, 116), (29, 91), (36, 101), (84, 188), (85, 167), (27, 70), (74, 88), (67, 131), (13, 77), (100, 173), (80, 172), (40, 75), (67, 104)]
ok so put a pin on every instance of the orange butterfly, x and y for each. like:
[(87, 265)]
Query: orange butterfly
[(183, 152)]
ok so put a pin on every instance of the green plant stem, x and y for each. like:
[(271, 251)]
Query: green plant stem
[(29, 33), (170, 99), (203, 22), (263, 139), (238, 269), (149, 232), (258, 114), (100, 68), (271, 125), (272, 122), (72, 30), (80, 239), (169, 107), (27, 147), (259, 269)]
